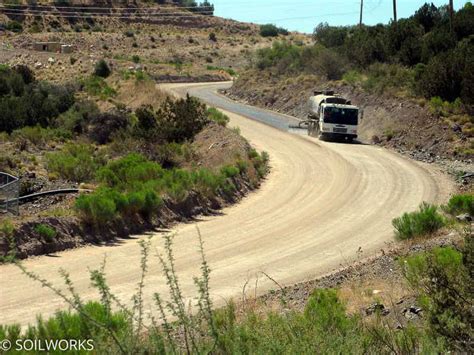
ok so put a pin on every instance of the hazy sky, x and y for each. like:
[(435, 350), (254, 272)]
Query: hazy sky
[(304, 15)]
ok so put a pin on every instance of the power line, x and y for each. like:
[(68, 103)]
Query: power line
[(142, 17), (104, 7), (111, 14)]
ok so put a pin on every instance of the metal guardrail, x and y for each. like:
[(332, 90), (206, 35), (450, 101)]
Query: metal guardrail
[(9, 193)]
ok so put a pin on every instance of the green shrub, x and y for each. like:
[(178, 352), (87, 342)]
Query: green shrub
[(14, 26), (136, 58), (77, 118), (381, 77), (46, 232), (207, 182), (443, 281), (230, 171), (284, 56), (140, 75), (287, 58), (39, 136), (270, 30), (75, 162), (73, 325), (217, 116), (97, 86), (330, 36), (102, 69), (129, 169), (423, 222), (212, 37), (175, 120), (352, 77), (260, 162), (104, 125), (6, 228), (100, 207), (27, 102), (459, 204)]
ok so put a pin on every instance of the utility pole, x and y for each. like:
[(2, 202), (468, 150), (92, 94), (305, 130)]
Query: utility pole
[(395, 11), (361, 12), (451, 13)]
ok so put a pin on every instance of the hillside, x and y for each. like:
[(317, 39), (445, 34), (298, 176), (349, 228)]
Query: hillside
[(413, 78), (168, 42)]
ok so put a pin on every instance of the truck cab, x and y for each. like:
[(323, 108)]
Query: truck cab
[(332, 116)]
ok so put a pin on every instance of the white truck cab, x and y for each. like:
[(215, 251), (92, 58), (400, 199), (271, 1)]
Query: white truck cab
[(332, 116)]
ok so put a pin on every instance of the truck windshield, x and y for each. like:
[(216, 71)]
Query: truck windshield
[(348, 116)]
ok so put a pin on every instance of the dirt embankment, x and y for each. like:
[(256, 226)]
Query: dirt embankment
[(404, 124), (214, 147)]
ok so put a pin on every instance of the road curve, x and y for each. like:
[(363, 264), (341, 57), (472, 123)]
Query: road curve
[(320, 203)]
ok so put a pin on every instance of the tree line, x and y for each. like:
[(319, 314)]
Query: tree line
[(441, 53)]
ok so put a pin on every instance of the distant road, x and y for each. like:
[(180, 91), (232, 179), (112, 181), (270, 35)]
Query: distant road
[(320, 203)]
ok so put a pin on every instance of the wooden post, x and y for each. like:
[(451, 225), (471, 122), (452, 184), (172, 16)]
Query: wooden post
[(451, 13), (361, 12), (395, 11)]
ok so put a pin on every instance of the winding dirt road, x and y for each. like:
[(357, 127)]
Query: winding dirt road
[(320, 203)]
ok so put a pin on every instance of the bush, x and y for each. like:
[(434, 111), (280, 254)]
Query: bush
[(86, 324), (46, 232), (443, 279), (26, 73), (230, 171), (26, 102), (352, 77), (102, 69), (40, 136), (14, 26), (128, 170), (97, 86), (260, 162), (104, 125), (212, 37), (425, 221), (330, 36), (77, 118), (217, 116), (175, 121), (460, 204), (287, 58), (75, 162), (136, 58), (382, 77), (270, 30), (282, 55), (98, 208)]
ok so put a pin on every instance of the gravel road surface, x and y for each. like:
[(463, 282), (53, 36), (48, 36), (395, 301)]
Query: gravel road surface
[(321, 202)]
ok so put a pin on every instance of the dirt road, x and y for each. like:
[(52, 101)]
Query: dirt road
[(320, 203)]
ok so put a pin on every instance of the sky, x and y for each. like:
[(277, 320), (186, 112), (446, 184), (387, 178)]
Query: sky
[(304, 15)]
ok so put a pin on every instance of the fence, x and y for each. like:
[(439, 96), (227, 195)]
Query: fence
[(9, 193)]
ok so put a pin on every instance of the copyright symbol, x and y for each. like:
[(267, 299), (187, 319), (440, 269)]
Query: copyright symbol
[(5, 345)]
